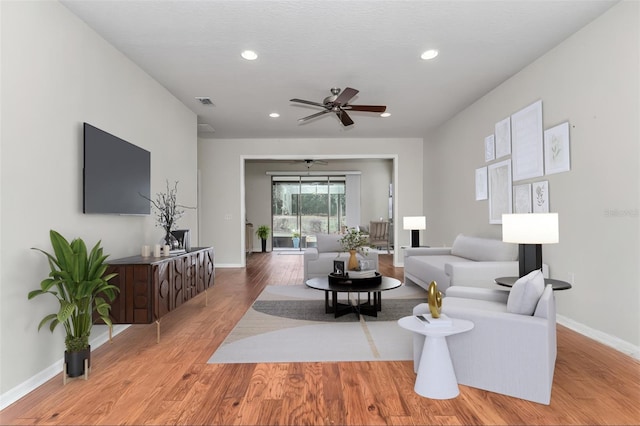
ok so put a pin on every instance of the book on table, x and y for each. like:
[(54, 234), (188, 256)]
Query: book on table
[(443, 320), (362, 274)]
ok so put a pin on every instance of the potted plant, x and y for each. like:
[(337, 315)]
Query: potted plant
[(354, 241), (263, 232), (295, 237), (78, 280)]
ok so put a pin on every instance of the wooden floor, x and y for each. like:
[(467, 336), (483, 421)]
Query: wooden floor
[(134, 380)]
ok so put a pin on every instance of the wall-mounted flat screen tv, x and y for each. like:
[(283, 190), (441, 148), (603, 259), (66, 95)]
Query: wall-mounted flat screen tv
[(117, 175)]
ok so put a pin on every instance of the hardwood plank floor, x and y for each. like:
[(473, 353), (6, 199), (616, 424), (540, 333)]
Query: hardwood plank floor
[(136, 381)]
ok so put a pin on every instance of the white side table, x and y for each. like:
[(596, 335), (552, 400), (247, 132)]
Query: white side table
[(436, 378)]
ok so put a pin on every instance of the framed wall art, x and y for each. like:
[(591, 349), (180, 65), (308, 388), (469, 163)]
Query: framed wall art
[(556, 149), (489, 148), (481, 184), (526, 138), (503, 137), (500, 198), (522, 198), (338, 268), (540, 192)]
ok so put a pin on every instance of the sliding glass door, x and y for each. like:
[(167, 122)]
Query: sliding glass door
[(307, 205)]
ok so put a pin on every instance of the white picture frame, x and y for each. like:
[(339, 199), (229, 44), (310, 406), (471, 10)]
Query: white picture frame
[(557, 155), (526, 138), (540, 196), (489, 149), (481, 184), (522, 198), (500, 194), (503, 137)]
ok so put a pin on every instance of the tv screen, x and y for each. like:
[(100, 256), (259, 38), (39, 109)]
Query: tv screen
[(117, 175)]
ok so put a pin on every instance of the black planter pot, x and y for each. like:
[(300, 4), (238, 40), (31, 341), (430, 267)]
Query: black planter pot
[(75, 361), (264, 245)]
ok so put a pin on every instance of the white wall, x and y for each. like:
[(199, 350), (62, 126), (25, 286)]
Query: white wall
[(221, 164), (56, 74), (592, 81)]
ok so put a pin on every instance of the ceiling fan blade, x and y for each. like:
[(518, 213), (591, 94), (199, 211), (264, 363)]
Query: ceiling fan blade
[(344, 118), (317, 114), (345, 96), (302, 101), (369, 108)]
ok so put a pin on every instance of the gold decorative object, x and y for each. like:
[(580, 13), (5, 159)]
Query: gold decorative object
[(434, 297), (353, 261)]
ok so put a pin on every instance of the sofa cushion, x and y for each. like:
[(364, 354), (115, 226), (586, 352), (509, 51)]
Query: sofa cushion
[(329, 242), (525, 293), (483, 249), (432, 267)]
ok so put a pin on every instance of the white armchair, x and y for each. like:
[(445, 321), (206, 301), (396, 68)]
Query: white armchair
[(318, 261), (507, 353)]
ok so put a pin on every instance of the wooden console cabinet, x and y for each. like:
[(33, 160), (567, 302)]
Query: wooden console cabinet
[(150, 287)]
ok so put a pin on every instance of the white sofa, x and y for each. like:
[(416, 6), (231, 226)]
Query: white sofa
[(507, 353), (470, 261), (318, 261)]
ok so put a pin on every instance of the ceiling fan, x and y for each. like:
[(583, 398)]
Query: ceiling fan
[(309, 162), (338, 103)]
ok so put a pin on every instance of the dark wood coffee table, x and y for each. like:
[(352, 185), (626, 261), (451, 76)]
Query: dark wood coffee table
[(369, 307)]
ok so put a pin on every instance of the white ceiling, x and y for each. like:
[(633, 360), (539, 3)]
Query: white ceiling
[(305, 47)]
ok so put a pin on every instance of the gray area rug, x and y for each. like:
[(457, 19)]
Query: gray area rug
[(288, 324)]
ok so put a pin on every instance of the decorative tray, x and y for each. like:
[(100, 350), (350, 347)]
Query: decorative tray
[(346, 280)]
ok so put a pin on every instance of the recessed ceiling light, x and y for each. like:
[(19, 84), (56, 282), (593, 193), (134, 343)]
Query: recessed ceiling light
[(249, 55), (274, 115), (385, 114), (429, 54)]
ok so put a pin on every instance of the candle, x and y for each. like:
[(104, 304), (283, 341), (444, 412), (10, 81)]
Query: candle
[(146, 251), (156, 251), (166, 250)]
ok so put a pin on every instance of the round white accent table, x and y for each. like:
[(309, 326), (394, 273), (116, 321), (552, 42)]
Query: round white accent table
[(436, 378)]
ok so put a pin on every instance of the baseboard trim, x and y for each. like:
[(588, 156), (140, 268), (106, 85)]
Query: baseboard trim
[(600, 336), (50, 372)]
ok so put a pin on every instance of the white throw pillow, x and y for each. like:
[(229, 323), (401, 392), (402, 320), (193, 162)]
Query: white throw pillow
[(525, 293)]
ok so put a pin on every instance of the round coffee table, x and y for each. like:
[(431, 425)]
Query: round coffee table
[(369, 307)]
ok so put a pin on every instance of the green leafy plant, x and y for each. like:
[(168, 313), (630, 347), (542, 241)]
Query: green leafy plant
[(356, 240), (295, 234), (79, 281), (263, 232)]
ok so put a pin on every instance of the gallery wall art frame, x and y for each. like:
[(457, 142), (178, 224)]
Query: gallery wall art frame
[(503, 137), (500, 193), (489, 148), (526, 138), (557, 154), (481, 184), (540, 194), (522, 198)]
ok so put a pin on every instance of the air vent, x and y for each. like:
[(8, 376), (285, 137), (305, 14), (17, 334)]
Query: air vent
[(204, 100), (205, 128)]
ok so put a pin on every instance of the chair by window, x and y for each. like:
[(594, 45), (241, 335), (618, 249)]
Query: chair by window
[(379, 234)]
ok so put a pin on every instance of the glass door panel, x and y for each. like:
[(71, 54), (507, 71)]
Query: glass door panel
[(307, 204)]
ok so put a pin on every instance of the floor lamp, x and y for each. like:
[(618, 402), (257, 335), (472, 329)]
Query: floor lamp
[(415, 224), (530, 230)]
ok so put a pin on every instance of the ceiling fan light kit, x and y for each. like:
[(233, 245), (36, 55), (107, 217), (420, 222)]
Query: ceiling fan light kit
[(338, 103)]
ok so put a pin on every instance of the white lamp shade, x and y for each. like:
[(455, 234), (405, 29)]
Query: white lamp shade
[(530, 228), (414, 222)]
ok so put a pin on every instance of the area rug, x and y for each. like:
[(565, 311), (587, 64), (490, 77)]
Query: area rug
[(288, 324)]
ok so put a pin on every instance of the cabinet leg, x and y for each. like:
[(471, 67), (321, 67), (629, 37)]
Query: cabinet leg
[(158, 331), (111, 334), (86, 369), (206, 298), (64, 374)]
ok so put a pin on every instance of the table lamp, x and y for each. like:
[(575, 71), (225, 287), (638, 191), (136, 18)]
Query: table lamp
[(415, 224), (530, 230)]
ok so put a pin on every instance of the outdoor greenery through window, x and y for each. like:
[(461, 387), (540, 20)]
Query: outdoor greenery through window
[(309, 205)]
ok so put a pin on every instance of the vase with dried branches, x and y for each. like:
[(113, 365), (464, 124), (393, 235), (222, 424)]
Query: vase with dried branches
[(168, 211)]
